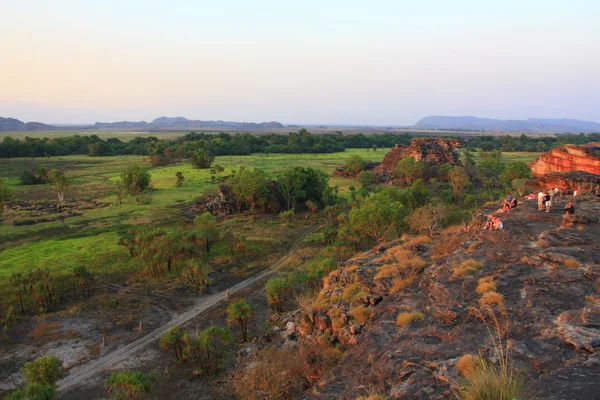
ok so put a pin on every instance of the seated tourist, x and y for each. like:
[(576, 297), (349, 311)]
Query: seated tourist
[(531, 196), (488, 224), (506, 206), (497, 223), (513, 203), (569, 208)]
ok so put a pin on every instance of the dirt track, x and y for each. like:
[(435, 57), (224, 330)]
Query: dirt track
[(81, 374)]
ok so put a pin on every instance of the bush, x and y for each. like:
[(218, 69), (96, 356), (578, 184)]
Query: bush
[(492, 298), (489, 381), (468, 267), (406, 318), (44, 370), (485, 285), (361, 314)]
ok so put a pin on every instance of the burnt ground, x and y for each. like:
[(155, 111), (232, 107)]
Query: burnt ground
[(546, 268)]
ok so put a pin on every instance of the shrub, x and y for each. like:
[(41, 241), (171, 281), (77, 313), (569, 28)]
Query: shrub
[(361, 314), (488, 381), (405, 318), (128, 384), (491, 298), (467, 364), (468, 267), (353, 293), (44, 370), (485, 285), (400, 283)]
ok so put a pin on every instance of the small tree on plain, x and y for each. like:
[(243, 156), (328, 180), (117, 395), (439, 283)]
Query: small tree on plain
[(135, 180), (128, 384), (180, 179), (240, 311), (174, 338), (61, 183)]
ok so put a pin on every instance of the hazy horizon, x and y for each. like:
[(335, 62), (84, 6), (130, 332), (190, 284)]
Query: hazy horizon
[(389, 63)]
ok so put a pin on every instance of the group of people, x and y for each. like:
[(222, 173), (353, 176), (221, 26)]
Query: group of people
[(493, 223), (509, 203), (546, 200)]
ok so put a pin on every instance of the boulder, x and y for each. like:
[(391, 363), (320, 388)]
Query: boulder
[(569, 157), (428, 150)]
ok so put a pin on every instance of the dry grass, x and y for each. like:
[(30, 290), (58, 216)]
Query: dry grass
[(406, 318), (46, 330), (361, 314), (394, 255), (399, 284), (337, 324), (409, 264), (485, 285), (492, 298), (446, 244), (468, 267), (472, 247), (467, 364), (354, 292), (413, 240), (525, 259)]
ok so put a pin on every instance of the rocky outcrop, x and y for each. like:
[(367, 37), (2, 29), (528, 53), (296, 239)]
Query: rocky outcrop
[(428, 150), (546, 297), (568, 181), (567, 158)]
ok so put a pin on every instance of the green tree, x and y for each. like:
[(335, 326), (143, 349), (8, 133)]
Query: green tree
[(355, 164), (128, 384), (207, 229), (379, 215), (516, 170), (61, 183), (84, 278), (180, 179), (277, 289), (290, 183), (459, 179), (250, 186), (202, 159), (43, 370), (135, 180), (409, 170), (367, 178), (520, 185), (174, 338), (240, 311), (207, 349), (33, 391)]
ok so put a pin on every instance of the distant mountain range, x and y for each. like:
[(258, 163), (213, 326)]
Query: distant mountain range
[(533, 125)]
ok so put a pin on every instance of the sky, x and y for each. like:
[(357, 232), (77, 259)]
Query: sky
[(311, 62)]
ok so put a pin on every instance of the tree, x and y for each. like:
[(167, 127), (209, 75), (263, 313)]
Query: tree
[(202, 159), (180, 179), (207, 348), (250, 186), (240, 311), (207, 229), (277, 289), (290, 183), (219, 169), (427, 218), (379, 215), (409, 170), (128, 384), (96, 149), (374, 147), (61, 183), (84, 279), (174, 338), (135, 180), (520, 185), (367, 178), (355, 164), (197, 274), (33, 391), (43, 370), (516, 170), (19, 282), (458, 180)]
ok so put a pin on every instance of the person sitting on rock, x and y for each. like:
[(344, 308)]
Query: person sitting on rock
[(548, 202), (509, 197), (506, 206), (569, 208), (489, 223), (514, 202), (531, 196), (497, 223)]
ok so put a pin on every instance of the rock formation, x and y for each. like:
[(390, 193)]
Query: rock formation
[(567, 158), (568, 181), (544, 296), (428, 150)]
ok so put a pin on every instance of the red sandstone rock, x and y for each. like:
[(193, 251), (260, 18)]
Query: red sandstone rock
[(567, 158), (428, 150), (583, 182)]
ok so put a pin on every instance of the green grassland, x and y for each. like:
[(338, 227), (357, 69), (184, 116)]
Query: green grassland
[(91, 239)]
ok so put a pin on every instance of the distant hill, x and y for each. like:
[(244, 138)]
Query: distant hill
[(533, 125), (184, 123), (12, 124)]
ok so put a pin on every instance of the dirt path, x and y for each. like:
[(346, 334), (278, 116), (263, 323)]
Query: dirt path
[(81, 374)]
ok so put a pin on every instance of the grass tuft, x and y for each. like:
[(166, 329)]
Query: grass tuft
[(468, 267), (492, 298), (485, 285), (406, 318), (361, 314)]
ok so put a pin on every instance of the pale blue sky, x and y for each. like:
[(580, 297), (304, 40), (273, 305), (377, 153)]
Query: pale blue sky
[(377, 62)]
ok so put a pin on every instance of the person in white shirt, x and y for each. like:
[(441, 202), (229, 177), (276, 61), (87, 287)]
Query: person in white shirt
[(541, 200)]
